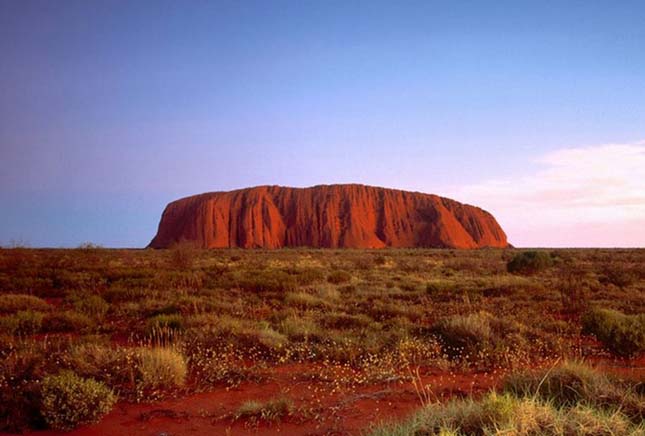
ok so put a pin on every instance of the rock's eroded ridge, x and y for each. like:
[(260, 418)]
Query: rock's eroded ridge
[(326, 216)]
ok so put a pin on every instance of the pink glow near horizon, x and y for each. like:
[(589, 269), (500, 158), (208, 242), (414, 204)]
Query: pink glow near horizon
[(583, 197)]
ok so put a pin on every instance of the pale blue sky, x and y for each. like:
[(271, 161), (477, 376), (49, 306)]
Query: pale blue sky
[(111, 109)]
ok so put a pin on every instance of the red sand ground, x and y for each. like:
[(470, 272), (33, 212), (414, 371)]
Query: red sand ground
[(323, 411)]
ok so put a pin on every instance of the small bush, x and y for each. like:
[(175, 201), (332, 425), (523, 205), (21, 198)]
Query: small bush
[(338, 277), (10, 303), (24, 322), (69, 400), (92, 305), (482, 338), (464, 336), (621, 334), (529, 262), (68, 321)]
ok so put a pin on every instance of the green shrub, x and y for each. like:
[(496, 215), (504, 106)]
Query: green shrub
[(622, 334), (529, 262), (338, 277), (10, 303), (69, 400)]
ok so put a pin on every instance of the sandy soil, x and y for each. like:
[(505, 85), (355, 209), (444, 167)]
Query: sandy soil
[(322, 409)]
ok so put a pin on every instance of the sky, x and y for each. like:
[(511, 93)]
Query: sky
[(532, 110)]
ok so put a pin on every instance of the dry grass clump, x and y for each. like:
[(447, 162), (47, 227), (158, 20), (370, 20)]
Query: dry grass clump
[(572, 383), (160, 368), (492, 415), (480, 337), (464, 336), (570, 399), (115, 366), (298, 328), (183, 255), (272, 410), (156, 324)]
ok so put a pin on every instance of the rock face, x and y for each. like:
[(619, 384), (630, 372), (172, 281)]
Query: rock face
[(330, 216)]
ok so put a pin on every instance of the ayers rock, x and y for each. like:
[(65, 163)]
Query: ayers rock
[(330, 216)]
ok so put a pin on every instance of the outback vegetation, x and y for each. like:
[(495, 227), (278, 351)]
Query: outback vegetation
[(417, 341)]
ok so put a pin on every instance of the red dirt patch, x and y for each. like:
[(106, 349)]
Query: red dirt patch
[(320, 408)]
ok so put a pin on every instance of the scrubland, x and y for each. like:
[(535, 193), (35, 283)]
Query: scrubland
[(341, 341)]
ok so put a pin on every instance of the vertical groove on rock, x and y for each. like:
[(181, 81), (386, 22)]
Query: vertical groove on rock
[(329, 216)]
